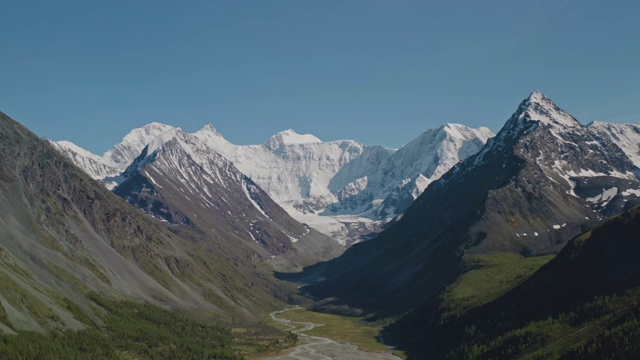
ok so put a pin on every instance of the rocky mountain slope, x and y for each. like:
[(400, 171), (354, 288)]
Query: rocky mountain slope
[(543, 179), (181, 181), (63, 237), (626, 136)]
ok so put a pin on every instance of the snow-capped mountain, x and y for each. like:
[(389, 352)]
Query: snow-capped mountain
[(180, 180), (543, 179), (343, 188), (347, 189), (290, 166), (124, 152), (302, 173), (404, 175), (107, 167)]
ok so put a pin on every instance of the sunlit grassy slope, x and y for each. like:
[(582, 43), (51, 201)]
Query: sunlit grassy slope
[(491, 276)]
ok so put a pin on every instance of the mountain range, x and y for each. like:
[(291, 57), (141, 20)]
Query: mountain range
[(344, 189), (453, 236)]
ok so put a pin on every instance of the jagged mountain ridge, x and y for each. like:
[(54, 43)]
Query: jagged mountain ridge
[(181, 181), (92, 164), (406, 173), (346, 177), (543, 179), (347, 189), (343, 188)]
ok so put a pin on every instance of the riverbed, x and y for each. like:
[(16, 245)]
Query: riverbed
[(321, 348)]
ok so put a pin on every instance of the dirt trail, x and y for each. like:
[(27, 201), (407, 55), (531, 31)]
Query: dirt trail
[(320, 348)]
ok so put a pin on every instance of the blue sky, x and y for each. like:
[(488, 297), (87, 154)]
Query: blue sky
[(380, 72)]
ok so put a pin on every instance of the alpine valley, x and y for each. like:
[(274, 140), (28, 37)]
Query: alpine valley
[(460, 244)]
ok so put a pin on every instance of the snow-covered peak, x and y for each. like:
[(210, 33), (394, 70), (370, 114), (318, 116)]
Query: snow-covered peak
[(77, 149), (435, 151), (538, 107), (123, 153), (466, 133), (537, 96), (162, 139), (290, 137), (215, 140), (143, 134), (208, 129)]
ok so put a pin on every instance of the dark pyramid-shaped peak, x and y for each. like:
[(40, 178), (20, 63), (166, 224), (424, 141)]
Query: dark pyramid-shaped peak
[(542, 180), (538, 107)]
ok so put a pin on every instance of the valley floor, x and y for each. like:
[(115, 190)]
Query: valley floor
[(324, 336)]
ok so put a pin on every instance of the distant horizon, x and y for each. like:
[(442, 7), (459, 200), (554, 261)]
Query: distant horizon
[(374, 71)]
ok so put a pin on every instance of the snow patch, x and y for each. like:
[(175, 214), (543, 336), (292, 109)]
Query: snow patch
[(604, 197), (152, 180), (629, 192), (255, 204)]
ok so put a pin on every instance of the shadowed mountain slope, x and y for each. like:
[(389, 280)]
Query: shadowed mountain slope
[(63, 236), (543, 179), (582, 304)]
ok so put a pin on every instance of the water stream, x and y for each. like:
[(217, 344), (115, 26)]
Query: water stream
[(321, 348)]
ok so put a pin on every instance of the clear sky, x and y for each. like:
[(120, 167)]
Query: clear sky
[(380, 72)]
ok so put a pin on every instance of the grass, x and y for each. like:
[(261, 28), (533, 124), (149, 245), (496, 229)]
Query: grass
[(132, 330), (337, 328), (492, 275)]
